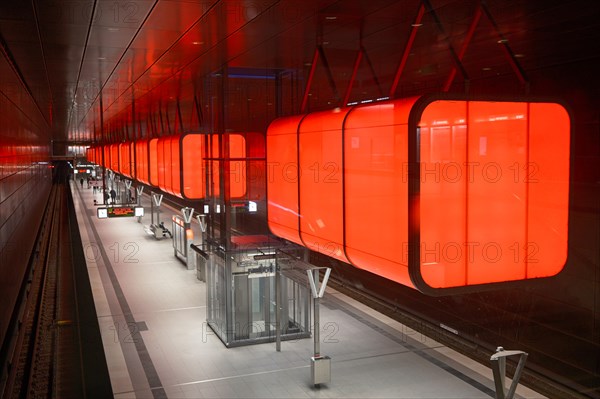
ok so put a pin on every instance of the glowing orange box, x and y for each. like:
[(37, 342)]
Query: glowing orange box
[(141, 161), (114, 158), (164, 163), (177, 164), (125, 160), (440, 193), (320, 160), (282, 178), (180, 161), (193, 179), (153, 161), (107, 154), (132, 160)]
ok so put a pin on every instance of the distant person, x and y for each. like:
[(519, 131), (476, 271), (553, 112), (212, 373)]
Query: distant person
[(94, 188), (113, 195), (81, 181), (106, 197), (88, 182)]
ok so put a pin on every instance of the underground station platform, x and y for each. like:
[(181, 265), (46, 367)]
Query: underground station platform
[(200, 328)]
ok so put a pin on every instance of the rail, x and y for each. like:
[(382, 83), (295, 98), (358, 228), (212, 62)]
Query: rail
[(31, 368)]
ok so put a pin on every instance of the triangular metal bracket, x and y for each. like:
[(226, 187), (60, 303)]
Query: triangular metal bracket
[(498, 360), (139, 190), (128, 184), (157, 199), (202, 222), (313, 280), (187, 214)]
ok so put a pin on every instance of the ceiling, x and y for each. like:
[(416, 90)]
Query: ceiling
[(91, 61)]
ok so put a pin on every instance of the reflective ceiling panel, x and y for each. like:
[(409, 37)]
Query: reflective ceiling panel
[(154, 51)]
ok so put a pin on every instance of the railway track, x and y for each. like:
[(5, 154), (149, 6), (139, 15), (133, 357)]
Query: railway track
[(32, 368), (45, 359)]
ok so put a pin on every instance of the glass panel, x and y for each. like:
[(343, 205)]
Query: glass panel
[(194, 173), (547, 175), (114, 157), (216, 292), (107, 154), (376, 184), (500, 210), (243, 294), (168, 166), (131, 160), (160, 158), (124, 160), (497, 203), (297, 309), (153, 161), (258, 304), (321, 183), (237, 149), (142, 161), (282, 178), (443, 196)]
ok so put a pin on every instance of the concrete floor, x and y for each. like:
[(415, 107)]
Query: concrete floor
[(152, 315)]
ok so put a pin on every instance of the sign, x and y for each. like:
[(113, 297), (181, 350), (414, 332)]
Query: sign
[(252, 206), (120, 211)]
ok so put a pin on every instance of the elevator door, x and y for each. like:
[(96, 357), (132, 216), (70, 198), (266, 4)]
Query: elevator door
[(254, 313)]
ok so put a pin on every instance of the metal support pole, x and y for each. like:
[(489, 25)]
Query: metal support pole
[(463, 48), (352, 77), (311, 74), (330, 78), (187, 214), (127, 192), (277, 309), (320, 365), (151, 209), (407, 48), (510, 55), (156, 199), (139, 190), (502, 368), (316, 317)]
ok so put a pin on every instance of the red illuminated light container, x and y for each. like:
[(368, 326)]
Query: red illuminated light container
[(163, 158), (169, 167), (107, 155), (125, 159), (141, 161), (153, 161), (98, 155), (114, 158), (440, 193), (89, 154), (180, 169), (320, 159), (191, 157)]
